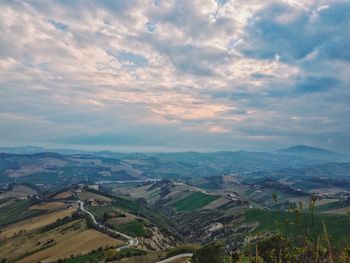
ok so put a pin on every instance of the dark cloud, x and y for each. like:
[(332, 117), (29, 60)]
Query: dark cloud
[(293, 33)]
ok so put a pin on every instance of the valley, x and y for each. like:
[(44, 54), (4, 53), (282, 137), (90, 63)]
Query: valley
[(120, 211)]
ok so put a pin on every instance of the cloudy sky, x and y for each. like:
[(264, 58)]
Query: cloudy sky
[(175, 75)]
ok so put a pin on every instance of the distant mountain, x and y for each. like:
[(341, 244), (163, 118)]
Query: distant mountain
[(23, 150), (314, 153), (36, 149), (302, 149)]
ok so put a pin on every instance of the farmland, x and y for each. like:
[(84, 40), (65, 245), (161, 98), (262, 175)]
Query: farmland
[(134, 228), (34, 223), (18, 210), (194, 201), (71, 238), (81, 243)]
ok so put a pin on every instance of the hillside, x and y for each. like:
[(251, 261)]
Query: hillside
[(49, 169)]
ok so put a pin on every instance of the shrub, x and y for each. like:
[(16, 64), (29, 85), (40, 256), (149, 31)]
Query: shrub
[(181, 249), (212, 253)]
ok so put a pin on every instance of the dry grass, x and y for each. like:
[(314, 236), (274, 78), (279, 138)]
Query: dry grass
[(63, 195), (81, 243), (60, 242), (19, 191), (48, 206), (339, 211), (217, 203), (34, 223), (151, 257), (89, 195)]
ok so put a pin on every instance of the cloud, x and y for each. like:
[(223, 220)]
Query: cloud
[(294, 34), (200, 74)]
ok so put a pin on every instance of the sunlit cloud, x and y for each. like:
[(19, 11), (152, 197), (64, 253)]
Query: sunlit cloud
[(231, 74)]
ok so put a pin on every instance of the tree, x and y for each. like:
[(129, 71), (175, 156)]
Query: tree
[(212, 253)]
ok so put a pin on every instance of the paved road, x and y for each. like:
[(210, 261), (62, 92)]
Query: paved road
[(132, 242), (168, 260)]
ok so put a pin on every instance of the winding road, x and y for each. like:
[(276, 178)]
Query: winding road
[(132, 242)]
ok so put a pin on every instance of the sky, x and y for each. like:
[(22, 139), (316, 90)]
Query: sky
[(159, 75)]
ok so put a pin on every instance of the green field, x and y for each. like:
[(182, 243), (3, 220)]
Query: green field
[(124, 204), (134, 228), (330, 206), (98, 211), (274, 221), (193, 202), (16, 211)]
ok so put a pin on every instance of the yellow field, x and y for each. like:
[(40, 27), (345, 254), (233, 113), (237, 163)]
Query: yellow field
[(82, 243), (34, 223), (63, 195), (47, 206), (60, 242)]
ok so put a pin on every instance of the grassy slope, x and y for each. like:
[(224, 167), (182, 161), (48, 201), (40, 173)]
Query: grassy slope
[(331, 206), (273, 221), (193, 202), (133, 207), (133, 228), (17, 211)]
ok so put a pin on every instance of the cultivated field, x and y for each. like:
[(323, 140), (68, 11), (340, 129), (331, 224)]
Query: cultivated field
[(20, 191), (59, 242), (194, 201), (62, 195), (34, 223), (81, 243), (89, 195), (47, 206), (15, 211)]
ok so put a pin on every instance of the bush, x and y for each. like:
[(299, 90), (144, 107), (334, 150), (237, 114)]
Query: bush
[(212, 253), (181, 249)]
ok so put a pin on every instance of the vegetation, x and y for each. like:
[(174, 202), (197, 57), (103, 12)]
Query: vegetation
[(212, 253), (134, 228), (62, 221), (182, 249), (93, 257), (18, 210), (304, 237), (331, 206), (276, 221), (129, 252), (104, 254), (193, 202)]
